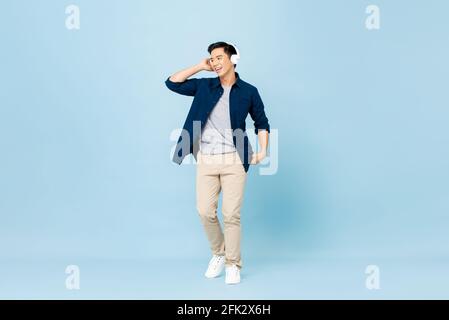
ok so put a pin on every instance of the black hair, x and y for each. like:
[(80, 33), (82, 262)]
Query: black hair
[(228, 49)]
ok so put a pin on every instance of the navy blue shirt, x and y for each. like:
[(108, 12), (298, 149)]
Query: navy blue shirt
[(244, 98)]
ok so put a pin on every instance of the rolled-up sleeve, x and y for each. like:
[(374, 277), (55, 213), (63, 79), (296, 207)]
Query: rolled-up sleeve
[(257, 112), (187, 87)]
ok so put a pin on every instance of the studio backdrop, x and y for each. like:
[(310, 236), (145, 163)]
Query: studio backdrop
[(355, 184)]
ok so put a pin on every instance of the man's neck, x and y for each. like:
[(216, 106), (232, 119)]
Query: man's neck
[(228, 79)]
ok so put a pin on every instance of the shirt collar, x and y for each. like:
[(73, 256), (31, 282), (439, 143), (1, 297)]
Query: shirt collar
[(216, 81)]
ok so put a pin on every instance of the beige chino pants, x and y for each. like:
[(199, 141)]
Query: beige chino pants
[(215, 173)]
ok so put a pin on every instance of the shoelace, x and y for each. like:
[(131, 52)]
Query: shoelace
[(234, 270), (216, 261)]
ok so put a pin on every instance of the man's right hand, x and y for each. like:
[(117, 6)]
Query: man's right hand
[(205, 65), (184, 74)]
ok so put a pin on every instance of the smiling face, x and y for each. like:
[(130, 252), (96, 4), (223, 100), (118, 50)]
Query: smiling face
[(221, 62)]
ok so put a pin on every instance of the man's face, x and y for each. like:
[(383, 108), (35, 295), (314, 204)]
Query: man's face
[(220, 61)]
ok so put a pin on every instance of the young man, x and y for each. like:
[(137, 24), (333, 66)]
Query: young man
[(215, 133)]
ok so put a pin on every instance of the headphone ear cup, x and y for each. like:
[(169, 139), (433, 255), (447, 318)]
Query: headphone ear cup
[(235, 57)]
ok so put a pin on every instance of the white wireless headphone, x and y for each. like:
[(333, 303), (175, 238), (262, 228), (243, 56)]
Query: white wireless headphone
[(235, 57)]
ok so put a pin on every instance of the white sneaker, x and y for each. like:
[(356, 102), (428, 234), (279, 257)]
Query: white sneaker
[(232, 274), (215, 267)]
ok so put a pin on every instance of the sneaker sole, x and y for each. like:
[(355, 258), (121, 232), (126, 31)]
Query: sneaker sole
[(214, 276)]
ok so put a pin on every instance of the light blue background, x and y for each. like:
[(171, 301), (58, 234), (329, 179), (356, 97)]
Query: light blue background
[(86, 176)]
